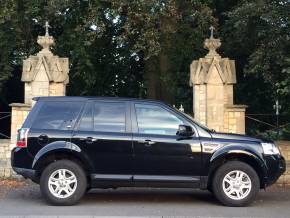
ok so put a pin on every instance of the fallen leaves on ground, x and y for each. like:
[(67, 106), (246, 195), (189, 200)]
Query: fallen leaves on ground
[(8, 184)]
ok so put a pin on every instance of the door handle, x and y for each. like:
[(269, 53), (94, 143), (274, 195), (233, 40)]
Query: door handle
[(42, 139), (147, 142), (89, 140)]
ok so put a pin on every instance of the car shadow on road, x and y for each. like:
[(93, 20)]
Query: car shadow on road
[(30, 194), (149, 196)]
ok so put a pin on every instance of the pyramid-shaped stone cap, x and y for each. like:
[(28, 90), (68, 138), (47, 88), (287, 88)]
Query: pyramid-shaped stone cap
[(201, 70), (56, 68)]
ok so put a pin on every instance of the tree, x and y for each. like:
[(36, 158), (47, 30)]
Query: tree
[(169, 34), (256, 35)]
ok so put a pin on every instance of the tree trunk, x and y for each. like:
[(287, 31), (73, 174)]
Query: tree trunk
[(152, 78), (166, 94)]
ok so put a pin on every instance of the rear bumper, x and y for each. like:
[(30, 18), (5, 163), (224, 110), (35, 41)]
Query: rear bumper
[(26, 173), (21, 163), (276, 165)]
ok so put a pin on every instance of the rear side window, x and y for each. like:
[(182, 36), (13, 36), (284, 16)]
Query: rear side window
[(57, 115), (109, 116), (104, 117)]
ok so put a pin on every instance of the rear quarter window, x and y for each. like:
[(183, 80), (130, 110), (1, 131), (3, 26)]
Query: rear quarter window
[(57, 115)]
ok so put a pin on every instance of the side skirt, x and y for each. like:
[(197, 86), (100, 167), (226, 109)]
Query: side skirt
[(160, 181)]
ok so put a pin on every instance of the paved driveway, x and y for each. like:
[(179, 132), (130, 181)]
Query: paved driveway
[(25, 200)]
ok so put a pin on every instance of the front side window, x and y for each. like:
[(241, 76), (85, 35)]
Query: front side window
[(109, 116), (152, 119), (57, 115)]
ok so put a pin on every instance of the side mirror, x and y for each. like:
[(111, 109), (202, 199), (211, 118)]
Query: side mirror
[(185, 131)]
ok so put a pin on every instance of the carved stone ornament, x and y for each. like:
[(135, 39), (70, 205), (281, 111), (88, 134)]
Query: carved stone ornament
[(201, 70), (212, 45), (56, 68)]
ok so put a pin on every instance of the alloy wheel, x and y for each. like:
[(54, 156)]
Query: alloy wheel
[(62, 183), (237, 185)]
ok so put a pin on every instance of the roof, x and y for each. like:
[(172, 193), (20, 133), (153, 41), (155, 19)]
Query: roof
[(85, 98)]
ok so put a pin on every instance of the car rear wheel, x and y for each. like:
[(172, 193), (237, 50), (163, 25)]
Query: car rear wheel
[(63, 183), (236, 184)]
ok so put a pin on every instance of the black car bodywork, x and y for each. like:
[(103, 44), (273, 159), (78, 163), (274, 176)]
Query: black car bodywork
[(128, 157)]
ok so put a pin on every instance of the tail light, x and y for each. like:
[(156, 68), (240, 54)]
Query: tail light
[(22, 138)]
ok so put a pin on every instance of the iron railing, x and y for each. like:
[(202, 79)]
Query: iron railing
[(5, 123), (266, 125)]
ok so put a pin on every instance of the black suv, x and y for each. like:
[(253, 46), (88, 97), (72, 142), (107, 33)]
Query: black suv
[(71, 144)]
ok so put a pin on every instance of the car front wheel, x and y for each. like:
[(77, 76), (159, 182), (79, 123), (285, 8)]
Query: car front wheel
[(236, 184), (63, 183)]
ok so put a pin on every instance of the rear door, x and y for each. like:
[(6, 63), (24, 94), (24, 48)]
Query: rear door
[(104, 135), (53, 122)]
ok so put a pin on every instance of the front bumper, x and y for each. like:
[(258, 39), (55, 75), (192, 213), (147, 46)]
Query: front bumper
[(276, 166)]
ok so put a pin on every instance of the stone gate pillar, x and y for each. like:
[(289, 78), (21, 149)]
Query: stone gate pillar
[(44, 74), (212, 79)]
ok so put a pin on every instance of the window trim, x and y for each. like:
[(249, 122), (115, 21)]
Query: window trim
[(135, 128), (78, 122)]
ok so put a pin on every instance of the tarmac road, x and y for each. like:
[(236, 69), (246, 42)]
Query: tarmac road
[(25, 200)]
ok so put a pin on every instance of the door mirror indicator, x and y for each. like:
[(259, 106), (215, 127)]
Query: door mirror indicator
[(185, 131)]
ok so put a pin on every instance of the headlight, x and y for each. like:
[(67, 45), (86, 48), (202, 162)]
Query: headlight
[(270, 148)]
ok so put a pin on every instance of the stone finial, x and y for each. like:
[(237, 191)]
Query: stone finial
[(212, 44), (45, 41), (211, 31), (46, 28), (181, 108)]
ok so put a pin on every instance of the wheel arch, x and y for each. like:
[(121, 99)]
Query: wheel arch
[(58, 151), (240, 155)]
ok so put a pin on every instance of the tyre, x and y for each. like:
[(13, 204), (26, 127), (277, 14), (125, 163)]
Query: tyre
[(63, 182), (236, 184)]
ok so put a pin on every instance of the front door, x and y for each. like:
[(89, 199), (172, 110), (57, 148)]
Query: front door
[(159, 154), (104, 136)]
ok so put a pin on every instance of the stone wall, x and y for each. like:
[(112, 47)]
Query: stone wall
[(5, 154), (284, 146), (234, 119), (18, 116)]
